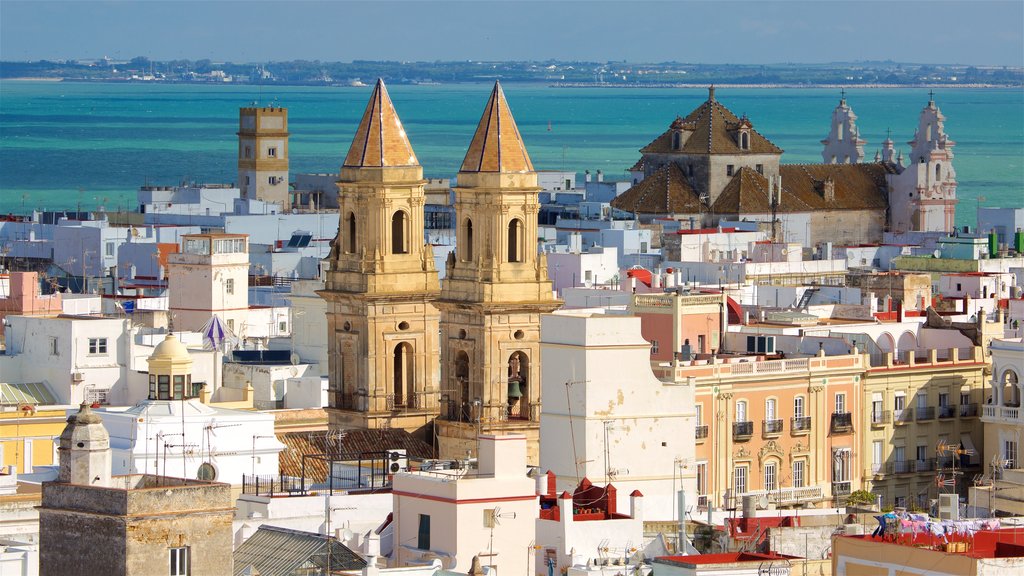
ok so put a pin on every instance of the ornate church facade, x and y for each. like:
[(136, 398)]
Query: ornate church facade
[(447, 360)]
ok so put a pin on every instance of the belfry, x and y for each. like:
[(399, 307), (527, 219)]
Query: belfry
[(382, 327), (495, 289)]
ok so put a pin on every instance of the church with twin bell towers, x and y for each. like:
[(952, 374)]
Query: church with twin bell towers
[(452, 361)]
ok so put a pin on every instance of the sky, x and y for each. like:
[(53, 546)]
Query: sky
[(765, 32)]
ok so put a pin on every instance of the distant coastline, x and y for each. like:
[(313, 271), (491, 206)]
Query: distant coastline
[(778, 85)]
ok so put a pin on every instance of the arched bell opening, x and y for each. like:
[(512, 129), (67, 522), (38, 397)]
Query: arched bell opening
[(518, 393)]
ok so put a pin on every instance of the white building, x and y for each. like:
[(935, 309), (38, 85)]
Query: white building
[(455, 515), (612, 419), (210, 276), (593, 267)]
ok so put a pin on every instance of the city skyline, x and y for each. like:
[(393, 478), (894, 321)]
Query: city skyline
[(640, 31)]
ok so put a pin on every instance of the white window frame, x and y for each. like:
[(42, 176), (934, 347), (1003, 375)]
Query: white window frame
[(771, 475), (741, 411), (799, 473), (229, 286), (98, 346), (769, 409), (840, 403), (799, 407), (272, 152), (740, 479), (179, 561)]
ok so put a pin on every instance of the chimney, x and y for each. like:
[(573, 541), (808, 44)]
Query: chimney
[(600, 176), (502, 456), (586, 176), (636, 505), (565, 507)]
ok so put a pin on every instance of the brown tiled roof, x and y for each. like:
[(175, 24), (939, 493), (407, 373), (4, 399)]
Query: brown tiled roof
[(350, 442), (664, 192), (713, 129), (497, 145), (638, 167), (855, 187), (380, 139)]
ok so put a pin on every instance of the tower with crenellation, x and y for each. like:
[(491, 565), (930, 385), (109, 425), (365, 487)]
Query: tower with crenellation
[(263, 154)]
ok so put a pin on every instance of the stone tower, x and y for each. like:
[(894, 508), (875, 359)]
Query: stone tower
[(209, 277), (170, 371), (843, 144), (382, 326), (495, 289), (263, 154), (85, 450), (924, 197)]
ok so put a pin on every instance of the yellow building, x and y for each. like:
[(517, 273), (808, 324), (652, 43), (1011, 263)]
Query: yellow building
[(496, 287), (382, 325), (263, 154), (30, 421), (913, 408)]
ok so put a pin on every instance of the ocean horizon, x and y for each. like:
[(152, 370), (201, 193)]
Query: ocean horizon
[(65, 145)]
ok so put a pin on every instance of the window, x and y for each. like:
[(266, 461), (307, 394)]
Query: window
[(468, 252), (741, 411), (799, 468), (247, 182), (53, 346), (841, 465), (702, 478), (959, 287), (179, 387), (798, 407), (97, 345), (922, 400), (654, 347), (152, 386), (423, 536), (899, 404), (901, 502), (1010, 454), (876, 409), (109, 248), (272, 152), (515, 240), (351, 246), (771, 476), (899, 454), (922, 453), (231, 324), (739, 480), (282, 326), (840, 403), (248, 152), (944, 399), (877, 458), (965, 398), (759, 168), (179, 561), (769, 409), (94, 396), (728, 170), (700, 414), (745, 141), (398, 244), (163, 391), (229, 286), (272, 180), (676, 141)]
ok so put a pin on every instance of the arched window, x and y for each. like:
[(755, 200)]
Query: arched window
[(745, 141), (938, 171), (462, 383), (350, 246), (741, 410), (769, 409), (398, 239), (839, 132), (771, 475), (518, 386), (928, 132), (402, 385), (515, 240), (677, 140), (467, 252), (1011, 388)]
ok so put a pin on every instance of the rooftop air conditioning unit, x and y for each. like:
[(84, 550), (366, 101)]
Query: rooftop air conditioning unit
[(397, 460), (949, 507), (77, 377)]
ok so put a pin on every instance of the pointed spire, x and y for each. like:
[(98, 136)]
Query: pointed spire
[(380, 139), (497, 145)]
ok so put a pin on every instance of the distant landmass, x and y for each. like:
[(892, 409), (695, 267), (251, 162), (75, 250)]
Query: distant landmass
[(558, 73)]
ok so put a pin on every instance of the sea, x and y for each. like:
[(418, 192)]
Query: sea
[(67, 145)]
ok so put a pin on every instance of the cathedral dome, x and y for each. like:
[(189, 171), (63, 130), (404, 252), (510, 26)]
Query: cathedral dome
[(170, 349)]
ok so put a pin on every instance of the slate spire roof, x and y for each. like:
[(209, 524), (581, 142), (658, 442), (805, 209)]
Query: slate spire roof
[(497, 145), (380, 140)]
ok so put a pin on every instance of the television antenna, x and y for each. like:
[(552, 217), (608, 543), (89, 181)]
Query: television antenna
[(953, 452)]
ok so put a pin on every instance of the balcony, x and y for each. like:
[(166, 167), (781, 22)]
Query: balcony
[(968, 410), (1003, 414), (800, 425), (771, 427), (841, 488), (842, 423), (790, 496), (899, 467), (742, 431), (924, 413), (902, 416), (881, 418), (926, 465), (702, 432), (947, 411)]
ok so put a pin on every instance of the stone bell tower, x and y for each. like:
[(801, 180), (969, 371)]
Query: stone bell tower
[(843, 144), (495, 289), (382, 326)]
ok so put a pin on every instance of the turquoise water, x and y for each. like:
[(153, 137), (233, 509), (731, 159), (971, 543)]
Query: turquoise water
[(62, 144)]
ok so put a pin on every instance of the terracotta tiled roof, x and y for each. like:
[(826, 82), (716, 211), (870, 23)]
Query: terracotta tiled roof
[(497, 145), (351, 442), (638, 167), (713, 129), (854, 187), (664, 192), (380, 139)]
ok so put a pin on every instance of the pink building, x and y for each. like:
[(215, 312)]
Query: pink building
[(24, 297)]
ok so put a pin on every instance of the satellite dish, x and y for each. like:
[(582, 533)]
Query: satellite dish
[(295, 360), (937, 254)]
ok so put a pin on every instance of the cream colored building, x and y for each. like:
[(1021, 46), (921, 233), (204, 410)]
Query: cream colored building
[(1004, 426), (496, 287), (985, 553), (911, 409), (455, 515), (209, 276), (263, 154), (382, 327)]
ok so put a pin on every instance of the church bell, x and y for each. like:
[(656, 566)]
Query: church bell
[(514, 391)]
